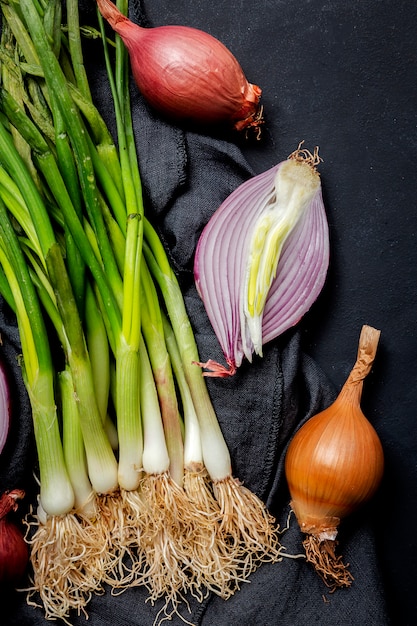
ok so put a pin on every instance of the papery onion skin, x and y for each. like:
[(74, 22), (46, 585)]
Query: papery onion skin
[(14, 553), (220, 267), (333, 465), (187, 74), (5, 406)]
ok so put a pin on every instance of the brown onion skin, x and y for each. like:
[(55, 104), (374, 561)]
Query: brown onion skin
[(334, 463), (14, 554), (187, 74)]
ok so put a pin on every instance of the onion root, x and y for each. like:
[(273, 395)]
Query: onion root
[(329, 566)]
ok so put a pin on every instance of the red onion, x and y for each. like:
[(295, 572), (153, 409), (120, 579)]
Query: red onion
[(4, 406), (186, 74), (272, 230), (14, 552)]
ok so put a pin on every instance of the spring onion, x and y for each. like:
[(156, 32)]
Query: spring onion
[(77, 249)]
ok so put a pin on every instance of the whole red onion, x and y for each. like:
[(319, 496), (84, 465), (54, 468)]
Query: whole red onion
[(187, 74), (14, 552)]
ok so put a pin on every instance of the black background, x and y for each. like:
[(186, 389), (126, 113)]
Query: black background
[(342, 75)]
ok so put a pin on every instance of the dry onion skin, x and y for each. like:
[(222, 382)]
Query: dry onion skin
[(334, 464), (187, 74), (261, 260)]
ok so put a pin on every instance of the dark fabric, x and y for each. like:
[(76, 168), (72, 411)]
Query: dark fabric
[(186, 175)]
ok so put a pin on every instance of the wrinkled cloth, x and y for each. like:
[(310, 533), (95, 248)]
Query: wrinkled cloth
[(186, 175)]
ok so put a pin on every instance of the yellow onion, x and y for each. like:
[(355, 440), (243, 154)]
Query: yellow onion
[(333, 464)]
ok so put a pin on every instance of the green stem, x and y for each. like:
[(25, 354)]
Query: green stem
[(155, 451), (52, 19), (65, 161), (13, 199), (193, 455), (56, 494), (153, 334), (18, 171), (129, 425), (102, 465), (131, 223), (46, 163), (73, 445), (215, 451), (57, 85), (75, 48), (98, 349)]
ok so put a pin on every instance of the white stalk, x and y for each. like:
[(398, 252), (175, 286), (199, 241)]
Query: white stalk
[(155, 453), (101, 462), (193, 454), (73, 446), (56, 492), (129, 417)]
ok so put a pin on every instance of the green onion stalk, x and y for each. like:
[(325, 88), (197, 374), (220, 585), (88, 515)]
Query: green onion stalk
[(66, 578), (164, 519), (170, 521), (116, 294), (192, 534), (56, 492), (245, 526), (243, 521), (150, 495), (69, 557), (100, 457), (213, 566), (81, 556)]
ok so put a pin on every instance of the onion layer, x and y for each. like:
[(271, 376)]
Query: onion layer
[(5, 407), (262, 259)]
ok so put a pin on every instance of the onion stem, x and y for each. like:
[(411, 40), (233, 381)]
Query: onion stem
[(163, 510), (74, 451), (56, 495), (153, 333), (215, 451)]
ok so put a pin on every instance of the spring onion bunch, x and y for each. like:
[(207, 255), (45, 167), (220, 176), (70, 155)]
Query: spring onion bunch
[(136, 484)]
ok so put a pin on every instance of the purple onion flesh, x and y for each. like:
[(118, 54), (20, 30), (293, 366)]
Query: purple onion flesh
[(4, 406), (221, 262)]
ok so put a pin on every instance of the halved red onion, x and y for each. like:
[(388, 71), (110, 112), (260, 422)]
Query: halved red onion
[(221, 259), (4, 406)]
